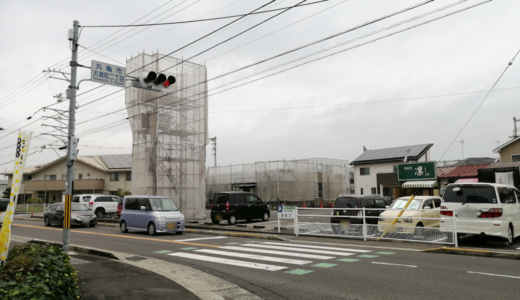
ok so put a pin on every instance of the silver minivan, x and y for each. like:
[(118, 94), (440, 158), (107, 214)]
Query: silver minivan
[(152, 214)]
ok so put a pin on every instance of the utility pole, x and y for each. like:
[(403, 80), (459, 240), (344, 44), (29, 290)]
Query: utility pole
[(71, 140), (515, 130), (462, 147), (214, 148)]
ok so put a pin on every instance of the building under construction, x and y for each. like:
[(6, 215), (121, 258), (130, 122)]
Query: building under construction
[(169, 133), (296, 181)]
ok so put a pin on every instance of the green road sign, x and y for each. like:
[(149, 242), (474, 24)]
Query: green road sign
[(416, 171)]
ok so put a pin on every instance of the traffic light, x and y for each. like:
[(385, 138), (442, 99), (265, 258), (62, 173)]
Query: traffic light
[(153, 81)]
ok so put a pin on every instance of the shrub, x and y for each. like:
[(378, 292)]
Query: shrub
[(35, 271)]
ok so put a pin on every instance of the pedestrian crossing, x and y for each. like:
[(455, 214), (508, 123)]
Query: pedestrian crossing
[(255, 255)]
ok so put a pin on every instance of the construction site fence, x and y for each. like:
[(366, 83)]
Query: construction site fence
[(366, 224)]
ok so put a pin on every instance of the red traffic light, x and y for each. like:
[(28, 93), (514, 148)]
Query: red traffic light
[(169, 81)]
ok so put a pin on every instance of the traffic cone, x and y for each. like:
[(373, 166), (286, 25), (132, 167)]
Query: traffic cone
[(321, 204), (304, 205), (32, 213)]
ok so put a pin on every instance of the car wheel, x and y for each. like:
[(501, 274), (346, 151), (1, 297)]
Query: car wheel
[(265, 217), (419, 230), (510, 235), (92, 225), (100, 212), (123, 227), (46, 221), (214, 221), (232, 220), (151, 229)]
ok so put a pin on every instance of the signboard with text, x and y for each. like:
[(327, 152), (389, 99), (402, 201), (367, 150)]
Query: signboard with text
[(416, 171), (108, 74), (286, 212)]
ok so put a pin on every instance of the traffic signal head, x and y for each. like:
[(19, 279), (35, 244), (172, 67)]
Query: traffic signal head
[(153, 81)]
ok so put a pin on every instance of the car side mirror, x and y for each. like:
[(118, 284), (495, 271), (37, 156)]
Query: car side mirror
[(387, 207), (143, 207), (427, 207)]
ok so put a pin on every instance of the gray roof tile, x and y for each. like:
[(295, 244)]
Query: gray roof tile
[(117, 161)]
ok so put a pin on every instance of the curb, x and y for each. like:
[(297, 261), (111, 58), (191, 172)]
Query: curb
[(471, 252), (87, 250)]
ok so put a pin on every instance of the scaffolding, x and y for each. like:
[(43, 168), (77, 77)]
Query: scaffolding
[(281, 181), (169, 131)]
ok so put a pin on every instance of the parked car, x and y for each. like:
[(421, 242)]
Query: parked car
[(233, 206), (152, 214), (80, 215), (3, 207), (483, 208), (412, 221), (344, 204), (100, 204)]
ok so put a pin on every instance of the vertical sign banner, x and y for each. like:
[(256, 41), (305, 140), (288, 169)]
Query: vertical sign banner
[(504, 178), (22, 149)]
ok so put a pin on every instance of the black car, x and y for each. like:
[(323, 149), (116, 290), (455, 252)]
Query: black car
[(4, 203), (233, 206), (79, 215), (376, 203)]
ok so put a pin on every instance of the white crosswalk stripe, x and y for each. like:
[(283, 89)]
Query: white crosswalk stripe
[(257, 257), (319, 247), (265, 251), (229, 261), (299, 249)]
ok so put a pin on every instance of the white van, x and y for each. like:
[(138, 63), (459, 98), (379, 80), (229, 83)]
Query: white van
[(482, 208)]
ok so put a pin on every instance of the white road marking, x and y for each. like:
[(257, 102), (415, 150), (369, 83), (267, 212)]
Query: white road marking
[(438, 240), (263, 251), (317, 247), (299, 250), (205, 238), (380, 263), (498, 275), (259, 257), (226, 261)]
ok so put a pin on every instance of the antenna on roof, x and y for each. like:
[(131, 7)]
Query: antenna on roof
[(364, 148), (406, 156)]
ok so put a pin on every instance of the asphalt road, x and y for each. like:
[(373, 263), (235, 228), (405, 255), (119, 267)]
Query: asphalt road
[(302, 271)]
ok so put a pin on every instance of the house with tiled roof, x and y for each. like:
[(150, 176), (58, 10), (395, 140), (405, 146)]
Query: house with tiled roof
[(375, 171), (99, 174)]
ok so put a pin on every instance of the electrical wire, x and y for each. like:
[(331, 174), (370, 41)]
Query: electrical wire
[(202, 20)]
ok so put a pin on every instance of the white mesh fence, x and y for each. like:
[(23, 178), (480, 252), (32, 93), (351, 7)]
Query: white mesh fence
[(424, 226)]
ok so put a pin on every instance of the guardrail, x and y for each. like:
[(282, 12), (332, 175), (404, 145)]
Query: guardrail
[(30, 208), (366, 223)]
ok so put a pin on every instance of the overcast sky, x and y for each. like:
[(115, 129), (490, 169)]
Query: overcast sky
[(414, 87)]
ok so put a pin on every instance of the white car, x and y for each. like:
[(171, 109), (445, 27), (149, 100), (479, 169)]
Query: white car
[(482, 208), (423, 211), (100, 204)]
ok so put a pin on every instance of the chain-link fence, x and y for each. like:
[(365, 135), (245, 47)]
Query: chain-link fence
[(415, 225), (30, 208)]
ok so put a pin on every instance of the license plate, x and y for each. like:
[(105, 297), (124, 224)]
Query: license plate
[(171, 225)]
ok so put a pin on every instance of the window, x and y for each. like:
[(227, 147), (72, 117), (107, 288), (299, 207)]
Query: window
[(428, 203), (470, 194), (374, 191), (114, 176), (63, 176), (220, 198), (506, 195), (75, 199), (346, 203), (369, 203), (437, 203), (129, 176), (49, 177), (239, 199), (251, 199), (395, 168), (388, 191), (364, 171), (145, 203), (515, 157), (361, 191), (132, 204), (80, 176), (380, 203), (320, 189)]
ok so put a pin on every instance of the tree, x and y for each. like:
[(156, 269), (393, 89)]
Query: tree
[(122, 193), (7, 193)]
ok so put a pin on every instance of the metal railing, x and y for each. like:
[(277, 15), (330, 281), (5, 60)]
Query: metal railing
[(30, 208), (366, 223)]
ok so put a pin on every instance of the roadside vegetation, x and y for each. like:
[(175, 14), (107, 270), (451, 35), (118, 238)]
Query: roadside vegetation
[(36, 271)]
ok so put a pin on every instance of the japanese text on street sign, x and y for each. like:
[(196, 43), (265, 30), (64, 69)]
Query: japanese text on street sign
[(108, 74), (285, 212)]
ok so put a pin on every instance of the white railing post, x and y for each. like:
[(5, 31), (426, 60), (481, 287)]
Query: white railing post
[(455, 238), (295, 223), (364, 229)]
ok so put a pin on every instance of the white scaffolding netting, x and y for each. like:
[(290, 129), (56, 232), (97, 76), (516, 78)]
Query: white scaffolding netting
[(170, 133), (279, 180)]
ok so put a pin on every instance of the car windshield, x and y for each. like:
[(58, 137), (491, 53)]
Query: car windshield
[(3, 205), (163, 204), (79, 207), (346, 203), (470, 194), (400, 203)]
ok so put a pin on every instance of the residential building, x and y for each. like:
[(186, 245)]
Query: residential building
[(99, 174), (375, 171), (509, 151)]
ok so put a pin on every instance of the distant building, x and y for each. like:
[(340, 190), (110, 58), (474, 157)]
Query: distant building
[(99, 174), (375, 171), (509, 151)]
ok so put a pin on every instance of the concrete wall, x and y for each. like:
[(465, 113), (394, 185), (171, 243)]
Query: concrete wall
[(507, 152)]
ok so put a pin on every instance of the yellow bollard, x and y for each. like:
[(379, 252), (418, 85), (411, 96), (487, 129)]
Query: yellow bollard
[(400, 214)]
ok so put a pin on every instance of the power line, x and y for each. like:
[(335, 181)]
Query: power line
[(480, 104), (202, 20)]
